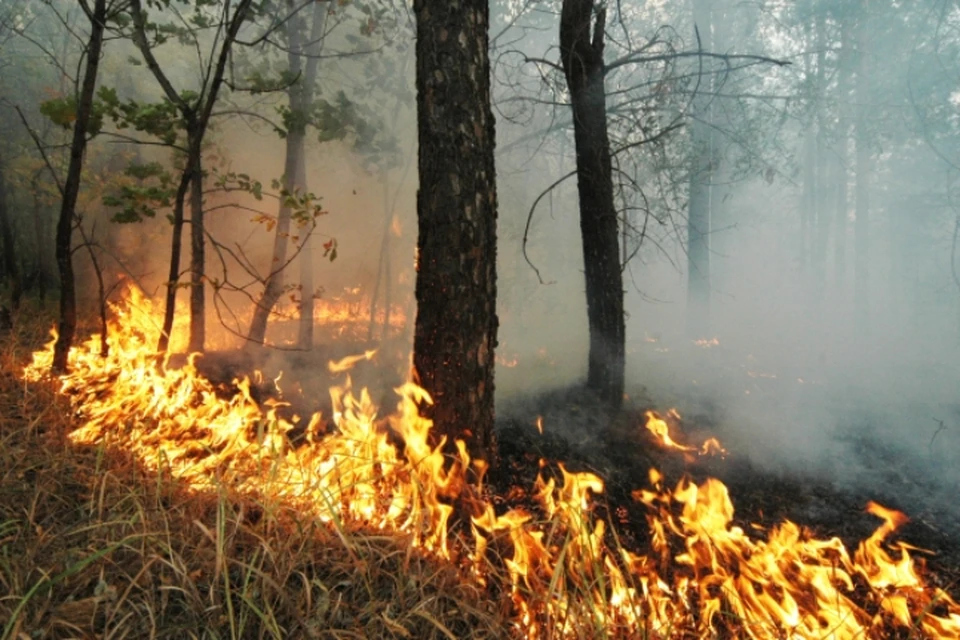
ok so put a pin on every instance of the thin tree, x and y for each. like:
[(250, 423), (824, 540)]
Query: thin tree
[(303, 59), (581, 51), (701, 178), (67, 323), (456, 326)]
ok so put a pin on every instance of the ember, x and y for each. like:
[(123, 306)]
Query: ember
[(567, 574)]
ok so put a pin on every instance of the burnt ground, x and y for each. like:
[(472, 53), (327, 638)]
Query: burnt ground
[(621, 451), (828, 499)]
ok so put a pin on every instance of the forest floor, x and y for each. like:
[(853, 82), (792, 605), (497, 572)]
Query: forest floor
[(92, 545)]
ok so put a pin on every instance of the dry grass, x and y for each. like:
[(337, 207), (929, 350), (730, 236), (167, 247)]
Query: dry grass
[(91, 546)]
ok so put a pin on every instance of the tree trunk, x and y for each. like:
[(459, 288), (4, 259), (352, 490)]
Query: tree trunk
[(10, 265), (861, 230), (307, 287), (456, 326), (300, 95), (843, 153), (823, 218), (67, 324), (383, 265), (698, 215), (173, 275), (197, 243), (582, 59)]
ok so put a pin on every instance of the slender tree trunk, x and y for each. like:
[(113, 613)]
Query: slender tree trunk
[(197, 244), (196, 116), (300, 96), (10, 265), (456, 327), (821, 193), (307, 286), (67, 324), (582, 59), (383, 266), (173, 275), (861, 265), (40, 238), (698, 212), (843, 159)]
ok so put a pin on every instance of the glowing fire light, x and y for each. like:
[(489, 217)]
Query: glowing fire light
[(707, 343), (661, 431), (568, 577)]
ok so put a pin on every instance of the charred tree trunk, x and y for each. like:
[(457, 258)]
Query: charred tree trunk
[(582, 58), (67, 323), (10, 265), (701, 174), (300, 96), (456, 326)]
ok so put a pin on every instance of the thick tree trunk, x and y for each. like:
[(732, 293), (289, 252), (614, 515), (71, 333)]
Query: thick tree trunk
[(861, 230), (701, 176), (456, 326), (10, 265), (300, 96), (582, 59), (67, 324)]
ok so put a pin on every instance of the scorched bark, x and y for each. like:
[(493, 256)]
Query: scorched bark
[(582, 58), (456, 325)]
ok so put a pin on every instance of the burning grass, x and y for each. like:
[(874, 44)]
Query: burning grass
[(94, 544), (159, 506)]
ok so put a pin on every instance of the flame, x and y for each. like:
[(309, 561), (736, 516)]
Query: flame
[(661, 431), (566, 573), (707, 343)]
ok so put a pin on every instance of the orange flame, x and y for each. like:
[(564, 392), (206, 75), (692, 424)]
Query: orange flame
[(568, 575)]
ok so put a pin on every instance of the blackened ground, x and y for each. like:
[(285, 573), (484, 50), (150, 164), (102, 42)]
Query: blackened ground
[(577, 433)]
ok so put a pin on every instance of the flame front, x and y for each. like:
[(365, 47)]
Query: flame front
[(566, 572)]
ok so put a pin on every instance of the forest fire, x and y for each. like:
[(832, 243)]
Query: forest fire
[(563, 566)]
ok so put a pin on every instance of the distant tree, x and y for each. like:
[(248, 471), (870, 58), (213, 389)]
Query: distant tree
[(456, 290), (193, 108), (581, 52), (303, 46), (703, 160)]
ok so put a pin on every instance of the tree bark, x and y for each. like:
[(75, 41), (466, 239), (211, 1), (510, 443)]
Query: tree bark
[(701, 176), (67, 324), (456, 326), (582, 59)]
